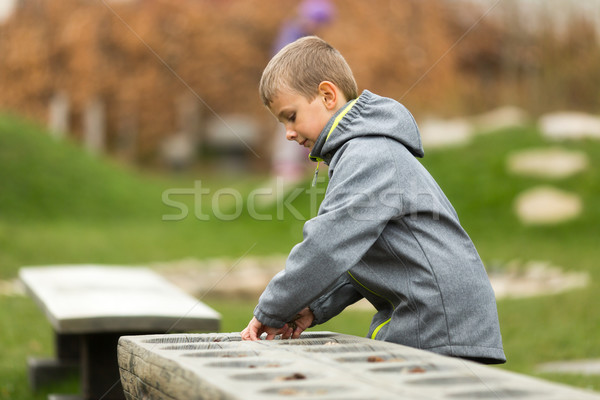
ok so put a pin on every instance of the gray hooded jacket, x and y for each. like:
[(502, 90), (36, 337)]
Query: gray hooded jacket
[(385, 231)]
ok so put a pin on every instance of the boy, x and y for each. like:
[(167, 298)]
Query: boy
[(384, 231)]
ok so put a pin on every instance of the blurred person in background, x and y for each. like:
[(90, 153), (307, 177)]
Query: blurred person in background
[(289, 162)]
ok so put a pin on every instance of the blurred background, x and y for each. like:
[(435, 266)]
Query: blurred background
[(137, 79), (106, 105)]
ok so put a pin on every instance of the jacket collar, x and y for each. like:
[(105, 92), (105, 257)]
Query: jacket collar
[(316, 153)]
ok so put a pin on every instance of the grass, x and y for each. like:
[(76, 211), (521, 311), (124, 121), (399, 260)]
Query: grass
[(61, 205), (24, 332)]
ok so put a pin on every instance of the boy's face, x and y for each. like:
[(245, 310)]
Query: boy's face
[(303, 120)]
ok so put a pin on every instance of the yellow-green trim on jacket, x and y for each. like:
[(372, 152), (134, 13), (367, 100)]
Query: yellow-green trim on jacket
[(376, 331)]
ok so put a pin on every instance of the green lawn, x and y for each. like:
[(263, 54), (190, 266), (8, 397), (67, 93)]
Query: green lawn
[(59, 205)]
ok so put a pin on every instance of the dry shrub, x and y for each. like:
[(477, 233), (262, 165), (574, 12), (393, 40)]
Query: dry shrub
[(141, 57)]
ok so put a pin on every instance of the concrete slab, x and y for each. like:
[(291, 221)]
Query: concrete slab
[(516, 278), (570, 126), (440, 133), (43, 371), (552, 163), (65, 397), (319, 365), (91, 306), (547, 205), (519, 279), (500, 118), (582, 367), (92, 299)]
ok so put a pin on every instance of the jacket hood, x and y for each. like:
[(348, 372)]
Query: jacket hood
[(371, 115)]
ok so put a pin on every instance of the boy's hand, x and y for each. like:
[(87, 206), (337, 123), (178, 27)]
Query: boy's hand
[(256, 328), (302, 321), (291, 330)]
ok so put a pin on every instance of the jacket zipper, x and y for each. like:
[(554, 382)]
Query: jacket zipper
[(336, 121)]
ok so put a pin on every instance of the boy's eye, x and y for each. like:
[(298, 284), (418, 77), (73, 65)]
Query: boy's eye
[(292, 117)]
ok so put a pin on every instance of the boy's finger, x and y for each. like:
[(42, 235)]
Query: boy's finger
[(297, 333), (253, 333), (285, 331), (288, 333), (246, 334)]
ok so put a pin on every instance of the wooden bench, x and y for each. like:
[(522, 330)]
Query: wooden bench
[(91, 306)]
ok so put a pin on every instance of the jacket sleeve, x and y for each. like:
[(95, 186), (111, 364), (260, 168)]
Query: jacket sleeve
[(356, 208), (333, 302)]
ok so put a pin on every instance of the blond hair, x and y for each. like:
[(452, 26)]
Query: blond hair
[(301, 66)]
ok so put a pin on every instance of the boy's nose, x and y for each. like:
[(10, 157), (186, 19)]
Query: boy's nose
[(290, 134)]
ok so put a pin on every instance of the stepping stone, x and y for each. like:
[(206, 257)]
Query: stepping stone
[(534, 278), (500, 118), (11, 288), (440, 133), (547, 205), (570, 125), (582, 367), (554, 163)]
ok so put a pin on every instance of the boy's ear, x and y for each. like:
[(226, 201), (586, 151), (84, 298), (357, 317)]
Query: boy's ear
[(328, 92)]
